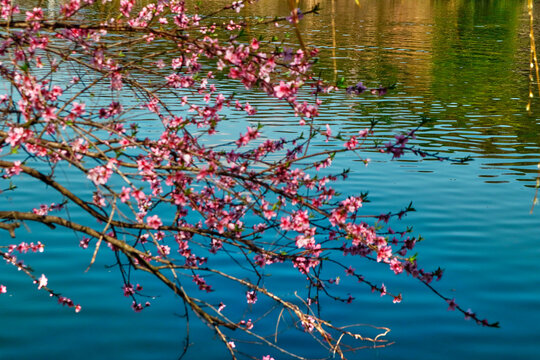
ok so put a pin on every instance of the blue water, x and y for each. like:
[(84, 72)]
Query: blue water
[(475, 217)]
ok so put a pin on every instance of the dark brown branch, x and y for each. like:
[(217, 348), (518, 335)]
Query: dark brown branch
[(10, 228), (135, 255)]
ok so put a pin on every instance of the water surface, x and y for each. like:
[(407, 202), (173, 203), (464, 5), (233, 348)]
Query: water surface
[(461, 63)]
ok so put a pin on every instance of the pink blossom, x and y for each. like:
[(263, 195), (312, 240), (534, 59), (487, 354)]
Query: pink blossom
[(197, 279), (99, 175), (238, 5), (328, 132), (77, 109), (308, 323), (42, 281), (268, 213), (176, 63), (154, 221), (251, 297), (286, 223), (300, 221), (303, 241), (396, 266), (337, 217), (126, 6), (124, 195), (384, 253), (128, 290), (18, 135), (55, 92), (352, 203), (221, 307), (99, 200), (84, 242), (251, 134), (247, 324), (15, 169), (250, 109), (283, 90), (3, 289), (164, 250), (137, 307), (352, 143), (363, 133), (34, 15), (49, 113)]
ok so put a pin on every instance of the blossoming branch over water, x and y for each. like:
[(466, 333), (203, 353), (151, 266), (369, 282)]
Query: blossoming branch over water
[(170, 200)]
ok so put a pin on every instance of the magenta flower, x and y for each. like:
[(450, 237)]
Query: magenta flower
[(379, 91), (451, 304)]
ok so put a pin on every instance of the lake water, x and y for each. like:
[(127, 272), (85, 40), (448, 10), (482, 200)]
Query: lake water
[(462, 63)]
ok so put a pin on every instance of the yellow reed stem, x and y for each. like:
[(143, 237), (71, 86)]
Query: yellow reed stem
[(293, 5), (533, 63)]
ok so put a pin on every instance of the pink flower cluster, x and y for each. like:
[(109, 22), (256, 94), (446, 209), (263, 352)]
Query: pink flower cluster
[(24, 247)]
